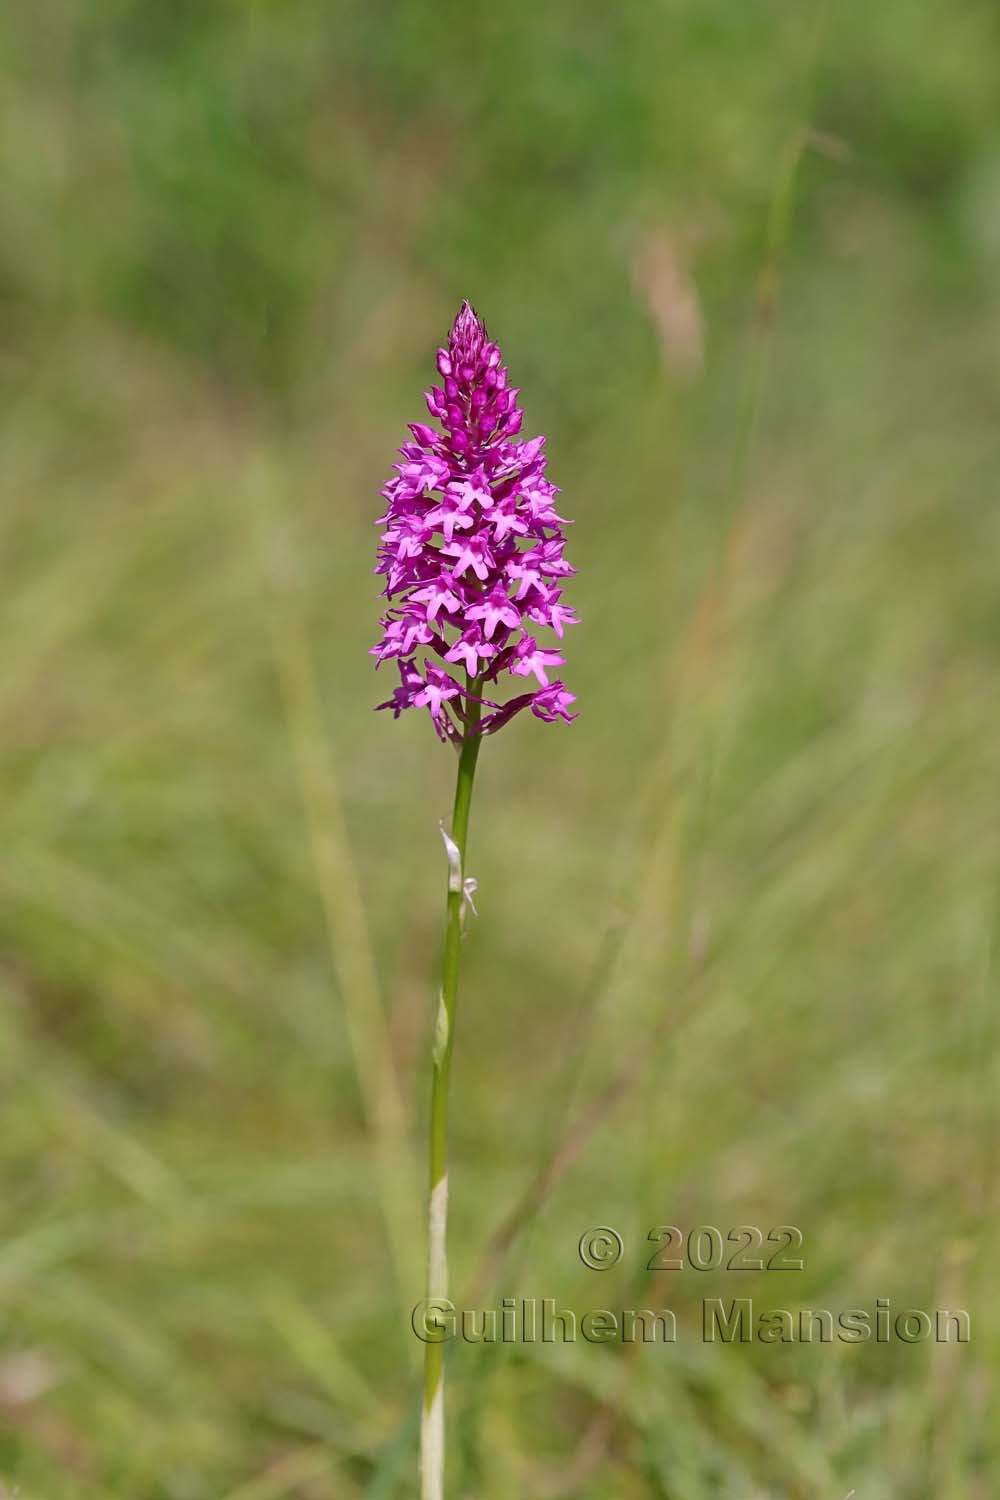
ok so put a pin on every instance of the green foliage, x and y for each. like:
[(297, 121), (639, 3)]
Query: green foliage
[(736, 961)]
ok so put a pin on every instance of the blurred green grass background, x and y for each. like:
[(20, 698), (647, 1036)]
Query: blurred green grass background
[(736, 955)]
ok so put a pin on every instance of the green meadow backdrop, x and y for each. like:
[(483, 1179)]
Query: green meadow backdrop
[(735, 962)]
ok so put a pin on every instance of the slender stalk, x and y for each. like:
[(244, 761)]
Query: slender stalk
[(432, 1419)]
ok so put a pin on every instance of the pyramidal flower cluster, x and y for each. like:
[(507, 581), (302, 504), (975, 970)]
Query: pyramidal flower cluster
[(472, 553)]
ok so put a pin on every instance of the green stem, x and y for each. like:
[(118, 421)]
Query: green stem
[(432, 1424)]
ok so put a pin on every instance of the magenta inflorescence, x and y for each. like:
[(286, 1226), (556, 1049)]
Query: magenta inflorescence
[(472, 552)]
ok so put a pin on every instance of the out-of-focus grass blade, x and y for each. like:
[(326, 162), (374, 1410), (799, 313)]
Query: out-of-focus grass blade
[(341, 898)]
